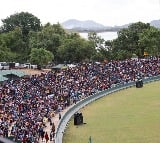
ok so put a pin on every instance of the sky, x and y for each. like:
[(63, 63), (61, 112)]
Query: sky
[(106, 12)]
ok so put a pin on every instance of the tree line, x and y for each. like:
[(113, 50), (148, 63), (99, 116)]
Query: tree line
[(24, 39)]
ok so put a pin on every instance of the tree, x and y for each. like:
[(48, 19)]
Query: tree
[(98, 42), (24, 20), (5, 52), (150, 40), (70, 51), (88, 51), (50, 38), (104, 48), (128, 40), (40, 56), (75, 49), (14, 41), (58, 29), (15, 29)]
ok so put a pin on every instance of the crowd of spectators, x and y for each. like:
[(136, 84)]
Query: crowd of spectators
[(27, 102)]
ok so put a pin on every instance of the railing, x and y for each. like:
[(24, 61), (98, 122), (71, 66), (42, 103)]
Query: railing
[(74, 108)]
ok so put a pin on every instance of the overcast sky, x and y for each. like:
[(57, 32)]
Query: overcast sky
[(106, 12)]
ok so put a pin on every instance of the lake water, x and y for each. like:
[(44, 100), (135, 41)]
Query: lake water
[(104, 35)]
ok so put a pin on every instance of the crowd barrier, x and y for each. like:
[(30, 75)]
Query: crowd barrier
[(76, 107)]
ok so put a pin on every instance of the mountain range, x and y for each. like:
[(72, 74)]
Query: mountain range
[(90, 25), (155, 23)]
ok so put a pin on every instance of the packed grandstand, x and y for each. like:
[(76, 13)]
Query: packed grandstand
[(27, 102)]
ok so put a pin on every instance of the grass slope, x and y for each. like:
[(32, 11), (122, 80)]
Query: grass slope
[(128, 116)]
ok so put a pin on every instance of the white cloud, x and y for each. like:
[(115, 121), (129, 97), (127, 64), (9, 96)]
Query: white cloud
[(107, 12)]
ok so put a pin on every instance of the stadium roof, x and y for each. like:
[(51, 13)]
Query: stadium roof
[(59, 66), (4, 73), (2, 78)]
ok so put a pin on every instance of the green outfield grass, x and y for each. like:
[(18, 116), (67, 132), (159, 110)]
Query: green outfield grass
[(127, 116)]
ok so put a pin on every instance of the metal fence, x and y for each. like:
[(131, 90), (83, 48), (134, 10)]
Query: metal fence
[(74, 108)]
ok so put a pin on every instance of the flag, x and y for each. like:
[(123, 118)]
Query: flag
[(145, 53)]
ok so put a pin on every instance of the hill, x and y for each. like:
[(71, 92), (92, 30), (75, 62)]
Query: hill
[(90, 25), (87, 25), (155, 23)]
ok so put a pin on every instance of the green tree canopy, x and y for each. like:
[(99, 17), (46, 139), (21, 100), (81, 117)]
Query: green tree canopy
[(150, 40), (103, 48), (14, 41), (40, 56), (128, 39), (75, 49), (98, 42), (26, 21), (50, 38)]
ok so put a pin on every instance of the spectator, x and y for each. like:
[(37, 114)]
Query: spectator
[(59, 116), (26, 103), (46, 137)]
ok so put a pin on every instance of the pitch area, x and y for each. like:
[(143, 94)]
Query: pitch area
[(127, 116)]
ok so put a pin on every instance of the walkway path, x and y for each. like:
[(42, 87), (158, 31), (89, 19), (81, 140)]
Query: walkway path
[(55, 120)]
